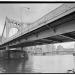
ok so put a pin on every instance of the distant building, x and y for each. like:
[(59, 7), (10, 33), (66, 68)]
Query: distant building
[(48, 49), (40, 49), (53, 47), (60, 48)]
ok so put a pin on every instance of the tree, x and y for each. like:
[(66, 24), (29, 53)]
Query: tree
[(60, 48)]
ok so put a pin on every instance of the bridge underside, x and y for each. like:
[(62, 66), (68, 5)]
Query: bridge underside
[(67, 37)]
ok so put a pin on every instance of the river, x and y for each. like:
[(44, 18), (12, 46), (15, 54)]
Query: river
[(38, 64)]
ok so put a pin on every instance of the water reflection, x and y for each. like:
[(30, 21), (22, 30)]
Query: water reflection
[(15, 66)]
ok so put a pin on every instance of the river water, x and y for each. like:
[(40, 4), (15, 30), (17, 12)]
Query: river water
[(38, 64)]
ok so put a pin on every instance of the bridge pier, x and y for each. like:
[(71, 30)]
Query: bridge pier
[(16, 54), (26, 55), (7, 53), (7, 48)]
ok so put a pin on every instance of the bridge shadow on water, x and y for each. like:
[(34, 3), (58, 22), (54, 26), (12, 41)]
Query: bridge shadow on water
[(22, 65)]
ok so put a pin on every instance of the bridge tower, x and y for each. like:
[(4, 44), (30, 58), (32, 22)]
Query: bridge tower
[(9, 24)]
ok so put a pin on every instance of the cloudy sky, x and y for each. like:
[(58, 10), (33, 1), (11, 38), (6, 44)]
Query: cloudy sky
[(26, 13), (66, 44)]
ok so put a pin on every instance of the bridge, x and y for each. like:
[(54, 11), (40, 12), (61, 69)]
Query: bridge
[(55, 27)]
